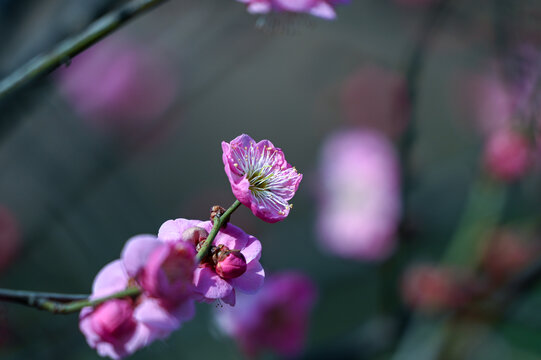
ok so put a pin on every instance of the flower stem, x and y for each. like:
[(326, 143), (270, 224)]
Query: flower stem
[(67, 49), (218, 222), (60, 303), (66, 304)]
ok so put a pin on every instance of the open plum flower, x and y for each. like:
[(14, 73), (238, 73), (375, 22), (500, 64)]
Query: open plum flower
[(119, 327), (320, 8), (232, 264), (164, 270), (276, 318), (260, 177)]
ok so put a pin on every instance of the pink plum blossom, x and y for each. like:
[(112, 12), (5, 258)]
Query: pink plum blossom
[(232, 264), (507, 155), (118, 328), (376, 97), (360, 205), (260, 177), (276, 318), (164, 270), (10, 237), (320, 8), (118, 87)]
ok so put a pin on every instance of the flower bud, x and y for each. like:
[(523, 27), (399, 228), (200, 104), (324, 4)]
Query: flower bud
[(195, 235), (113, 321), (507, 155), (506, 254), (431, 288), (231, 264)]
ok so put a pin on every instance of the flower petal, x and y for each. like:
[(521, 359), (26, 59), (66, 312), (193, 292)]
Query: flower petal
[(323, 10), (210, 285), (230, 299), (112, 278), (252, 250), (251, 280), (172, 230), (156, 317), (136, 252)]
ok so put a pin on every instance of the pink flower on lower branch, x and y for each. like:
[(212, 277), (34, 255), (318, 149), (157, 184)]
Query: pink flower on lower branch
[(260, 177), (119, 327), (320, 8), (276, 318), (164, 270), (232, 264), (359, 195)]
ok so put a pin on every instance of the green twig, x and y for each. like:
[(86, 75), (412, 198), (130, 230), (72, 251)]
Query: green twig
[(218, 222), (69, 48), (60, 303)]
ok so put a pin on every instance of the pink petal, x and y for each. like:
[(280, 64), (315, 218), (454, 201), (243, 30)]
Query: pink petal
[(251, 280), (231, 236), (230, 299), (160, 321), (136, 252), (112, 278), (252, 250), (185, 311), (211, 285), (295, 5), (105, 349), (86, 328), (323, 10), (172, 230), (141, 338)]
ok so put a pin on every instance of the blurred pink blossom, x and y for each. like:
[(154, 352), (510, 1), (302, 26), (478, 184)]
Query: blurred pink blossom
[(320, 8), (118, 328), (506, 253), (260, 177), (212, 283), (10, 238), (504, 94), (360, 204), (507, 155), (431, 288), (276, 318), (376, 98), (118, 87), (163, 269)]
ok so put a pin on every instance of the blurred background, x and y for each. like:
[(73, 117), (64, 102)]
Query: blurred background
[(415, 124)]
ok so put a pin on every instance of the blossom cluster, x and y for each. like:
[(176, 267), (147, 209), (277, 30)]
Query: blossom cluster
[(164, 267), (190, 260)]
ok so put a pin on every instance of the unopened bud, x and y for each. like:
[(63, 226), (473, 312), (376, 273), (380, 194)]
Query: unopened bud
[(195, 235), (507, 155), (231, 264)]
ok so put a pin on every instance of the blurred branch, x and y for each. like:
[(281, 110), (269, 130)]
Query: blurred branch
[(523, 282), (481, 214), (60, 303), (412, 74), (66, 50)]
